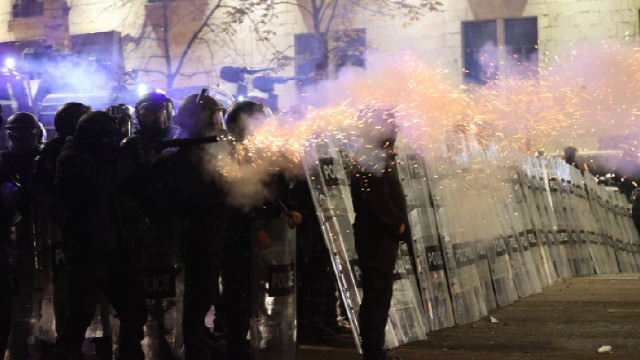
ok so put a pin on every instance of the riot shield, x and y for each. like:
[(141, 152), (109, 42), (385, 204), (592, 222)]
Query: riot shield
[(618, 237), (488, 218), (53, 277), (561, 207), (621, 212), (548, 196), (273, 294), (324, 168), (519, 222), (500, 176), (600, 234), (159, 261), (529, 217), (446, 185), (427, 251), (407, 317)]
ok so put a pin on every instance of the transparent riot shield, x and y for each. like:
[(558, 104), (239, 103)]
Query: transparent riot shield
[(447, 188), (537, 233), (599, 236), (527, 212), (569, 174), (467, 159), (617, 234), (429, 262), (324, 168), (562, 209), (621, 215), (489, 219), (532, 263), (159, 261), (589, 222), (407, 315), (634, 238), (548, 189), (273, 294), (503, 200), (53, 278)]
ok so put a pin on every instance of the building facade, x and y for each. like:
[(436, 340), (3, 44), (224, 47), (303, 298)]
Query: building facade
[(142, 32)]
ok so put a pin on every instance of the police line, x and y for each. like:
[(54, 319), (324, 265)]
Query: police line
[(486, 230)]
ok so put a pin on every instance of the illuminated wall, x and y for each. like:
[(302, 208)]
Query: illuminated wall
[(437, 37)]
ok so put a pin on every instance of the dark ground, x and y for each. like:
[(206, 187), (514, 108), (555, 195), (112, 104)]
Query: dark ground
[(569, 320)]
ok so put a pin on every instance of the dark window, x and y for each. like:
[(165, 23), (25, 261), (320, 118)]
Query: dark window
[(480, 51), (27, 8), (309, 62), (103, 46), (521, 43)]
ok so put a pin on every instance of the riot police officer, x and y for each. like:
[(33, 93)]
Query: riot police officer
[(8, 217), (90, 169), (381, 223), (236, 275), (194, 194), (124, 118), (44, 166), (47, 212), (157, 238), (24, 137)]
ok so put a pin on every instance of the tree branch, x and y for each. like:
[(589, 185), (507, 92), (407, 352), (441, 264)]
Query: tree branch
[(193, 39)]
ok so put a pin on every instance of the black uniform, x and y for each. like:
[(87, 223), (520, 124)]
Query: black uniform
[(199, 202), (380, 208), (18, 166), (99, 254), (8, 217), (158, 241)]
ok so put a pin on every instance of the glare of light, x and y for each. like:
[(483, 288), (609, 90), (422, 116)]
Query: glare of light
[(160, 91), (240, 98), (142, 89), (10, 63)]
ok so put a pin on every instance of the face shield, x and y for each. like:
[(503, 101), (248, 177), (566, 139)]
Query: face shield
[(154, 118), (23, 139)]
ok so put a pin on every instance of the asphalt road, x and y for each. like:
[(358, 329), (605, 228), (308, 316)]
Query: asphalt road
[(569, 320)]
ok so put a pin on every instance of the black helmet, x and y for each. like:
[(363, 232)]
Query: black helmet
[(24, 132), (67, 117), (97, 130), (200, 115), (122, 114), (239, 115), (154, 112)]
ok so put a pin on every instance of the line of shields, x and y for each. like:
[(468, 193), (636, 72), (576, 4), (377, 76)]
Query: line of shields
[(487, 229)]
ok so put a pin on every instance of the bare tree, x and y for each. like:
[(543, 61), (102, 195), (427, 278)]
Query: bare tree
[(219, 18)]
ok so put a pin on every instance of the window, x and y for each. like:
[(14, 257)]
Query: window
[(27, 8), (521, 44), (480, 44), (486, 43)]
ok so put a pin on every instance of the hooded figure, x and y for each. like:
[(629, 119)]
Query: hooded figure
[(381, 222)]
